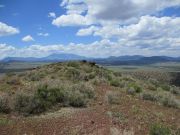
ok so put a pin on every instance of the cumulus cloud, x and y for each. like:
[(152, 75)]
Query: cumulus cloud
[(6, 50), (87, 31), (112, 11), (71, 20), (27, 38), (43, 34), (52, 15), (6, 30), (76, 8), (126, 9), (148, 27)]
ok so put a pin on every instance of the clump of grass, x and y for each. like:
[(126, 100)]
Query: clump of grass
[(77, 99), (4, 121), (149, 96), (73, 74), (115, 83), (165, 87), (131, 91), (154, 81), (175, 90), (91, 76), (86, 89), (35, 76), (151, 87), (119, 116), (158, 129), (117, 74), (73, 64), (165, 99), (113, 98), (137, 88), (28, 104), (4, 104), (170, 101), (14, 80)]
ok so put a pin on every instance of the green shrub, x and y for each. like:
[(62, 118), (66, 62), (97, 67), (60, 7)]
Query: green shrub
[(73, 64), (154, 82), (165, 87), (4, 106), (24, 103), (35, 77), (151, 87), (175, 90), (115, 83), (170, 101), (149, 96), (131, 91), (117, 74), (77, 99), (43, 99), (13, 81), (91, 75), (73, 74), (136, 87), (157, 129), (47, 95), (113, 98), (119, 116), (4, 121), (86, 89), (159, 89)]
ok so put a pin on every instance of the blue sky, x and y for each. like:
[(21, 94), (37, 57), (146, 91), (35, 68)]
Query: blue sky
[(89, 27)]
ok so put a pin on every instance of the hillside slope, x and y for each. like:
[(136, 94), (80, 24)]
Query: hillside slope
[(82, 98)]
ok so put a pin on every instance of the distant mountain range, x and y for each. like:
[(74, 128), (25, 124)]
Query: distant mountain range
[(50, 58), (121, 60), (136, 60)]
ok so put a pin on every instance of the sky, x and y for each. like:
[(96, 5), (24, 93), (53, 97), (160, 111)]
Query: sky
[(92, 28)]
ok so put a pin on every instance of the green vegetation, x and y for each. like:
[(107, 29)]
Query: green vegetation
[(55, 91), (45, 97), (113, 98), (4, 106), (158, 129), (73, 84)]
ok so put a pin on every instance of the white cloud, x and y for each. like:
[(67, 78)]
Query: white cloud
[(148, 27), (6, 50), (43, 34), (52, 15), (76, 8), (127, 22), (87, 31), (103, 48), (126, 9), (27, 38), (112, 11), (6, 30), (71, 20)]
